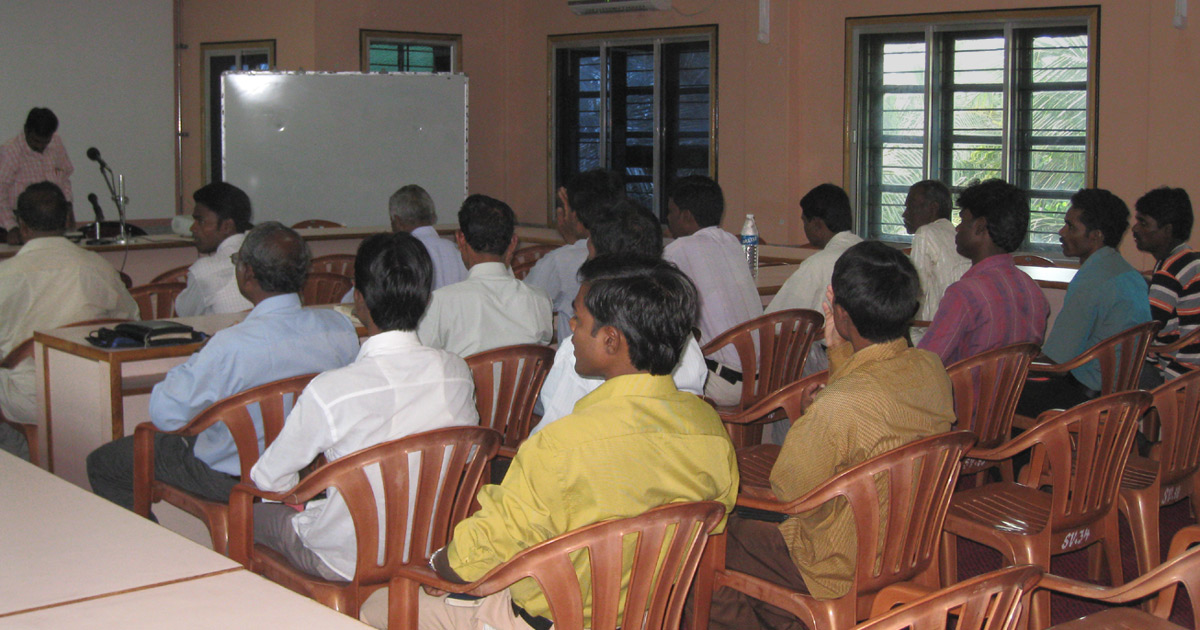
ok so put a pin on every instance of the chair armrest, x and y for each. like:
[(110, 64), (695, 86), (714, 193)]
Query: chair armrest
[(1182, 569), (1178, 344)]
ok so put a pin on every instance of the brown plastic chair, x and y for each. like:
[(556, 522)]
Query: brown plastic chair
[(1170, 349), (1160, 584), (1172, 473), (525, 258), (1085, 449), (1033, 260), (986, 389), (157, 299), (316, 223), (443, 482), (992, 601), (668, 540), (892, 550), (755, 462), (178, 274), (324, 288), (507, 383), (341, 264), (772, 350), (274, 401)]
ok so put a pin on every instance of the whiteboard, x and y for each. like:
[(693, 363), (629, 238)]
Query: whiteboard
[(337, 145)]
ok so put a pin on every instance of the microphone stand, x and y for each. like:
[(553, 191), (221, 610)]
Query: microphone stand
[(118, 196)]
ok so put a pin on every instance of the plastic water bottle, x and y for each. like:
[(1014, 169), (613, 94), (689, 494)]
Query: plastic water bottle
[(750, 244)]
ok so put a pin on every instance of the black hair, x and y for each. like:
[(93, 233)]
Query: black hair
[(43, 207), (592, 194), (1005, 207), (831, 204), (936, 192), (279, 258), (878, 287), (649, 300), (41, 122), (702, 197), (227, 202), (395, 276), (1101, 210), (628, 229), (487, 224), (1169, 205)]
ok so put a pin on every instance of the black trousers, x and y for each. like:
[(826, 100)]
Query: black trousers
[(110, 470)]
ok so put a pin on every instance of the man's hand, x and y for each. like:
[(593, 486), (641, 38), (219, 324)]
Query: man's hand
[(806, 397), (832, 337)]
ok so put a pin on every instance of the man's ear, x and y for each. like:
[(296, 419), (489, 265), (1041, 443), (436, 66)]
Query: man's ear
[(227, 227), (512, 248), (612, 340), (460, 240)]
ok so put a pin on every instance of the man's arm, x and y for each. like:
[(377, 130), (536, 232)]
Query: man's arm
[(190, 301), (8, 176), (192, 386), (305, 434), (1072, 327), (949, 324)]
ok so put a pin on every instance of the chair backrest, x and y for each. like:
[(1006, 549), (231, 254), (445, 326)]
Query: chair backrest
[(915, 482), (1122, 356), (157, 299), (1033, 260), (665, 545), (324, 288), (986, 389), (524, 258), (1086, 448), (430, 482), (316, 223), (772, 349), (273, 400), (178, 274), (341, 264), (507, 382), (991, 601), (1177, 403)]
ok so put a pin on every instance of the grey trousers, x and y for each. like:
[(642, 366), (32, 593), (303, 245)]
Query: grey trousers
[(13, 441), (273, 528), (110, 470)]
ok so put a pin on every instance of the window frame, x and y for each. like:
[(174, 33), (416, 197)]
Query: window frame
[(610, 39), (366, 36), (208, 50), (930, 26)]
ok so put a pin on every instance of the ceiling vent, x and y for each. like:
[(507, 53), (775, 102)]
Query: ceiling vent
[(592, 7)]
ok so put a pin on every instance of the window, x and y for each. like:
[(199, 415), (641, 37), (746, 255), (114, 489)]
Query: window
[(971, 97), (392, 51), (644, 106), (222, 57)]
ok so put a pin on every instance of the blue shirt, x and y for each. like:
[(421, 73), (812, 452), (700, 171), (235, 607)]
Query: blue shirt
[(1106, 296), (278, 339)]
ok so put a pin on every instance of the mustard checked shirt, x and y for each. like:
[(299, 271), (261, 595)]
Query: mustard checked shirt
[(879, 398), (633, 444)]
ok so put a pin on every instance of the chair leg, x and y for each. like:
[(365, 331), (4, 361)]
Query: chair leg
[(1142, 514), (712, 560), (1031, 552), (948, 559)]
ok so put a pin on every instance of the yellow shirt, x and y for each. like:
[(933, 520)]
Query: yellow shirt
[(878, 399), (633, 444)]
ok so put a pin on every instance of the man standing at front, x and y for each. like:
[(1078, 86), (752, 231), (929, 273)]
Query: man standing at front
[(37, 154), (715, 262), (491, 308), (278, 339), (927, 217), (881, 395), (219, 222), (49, 283)]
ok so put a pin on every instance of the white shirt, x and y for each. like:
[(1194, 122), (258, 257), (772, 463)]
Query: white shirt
[(51, 282), (448, 266), (716, 263), (394, 388), (938, 263), (564, 386), (211, 285), (557, 273), (490, 309), (806, 287)]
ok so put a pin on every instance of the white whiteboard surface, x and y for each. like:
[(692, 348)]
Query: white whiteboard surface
[(337, 145)]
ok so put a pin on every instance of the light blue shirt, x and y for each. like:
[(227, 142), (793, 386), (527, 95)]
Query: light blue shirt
[(557, 273), (1106, 297), (448, 266), (278, 339)]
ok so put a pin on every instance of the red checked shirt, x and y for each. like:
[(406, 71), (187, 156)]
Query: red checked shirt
[(21, 166)]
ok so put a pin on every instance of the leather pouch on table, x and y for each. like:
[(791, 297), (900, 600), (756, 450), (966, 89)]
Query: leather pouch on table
[(145, 334)]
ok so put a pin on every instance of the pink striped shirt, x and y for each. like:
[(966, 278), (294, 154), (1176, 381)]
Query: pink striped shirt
[(21, 166)]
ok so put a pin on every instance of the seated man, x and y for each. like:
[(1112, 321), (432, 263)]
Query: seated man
[(630, 230), (927, 217), (1162, 227), (881, 395), (411, 210), (278, 339), (633, 444), (715, 262), (49, 283), (1106, 296), (219, 222), (584, 198), (491, 308), (994, 304), (396, 387)]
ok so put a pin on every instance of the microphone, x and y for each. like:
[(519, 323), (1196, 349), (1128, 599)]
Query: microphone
[(95, 201), (93, 154)]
